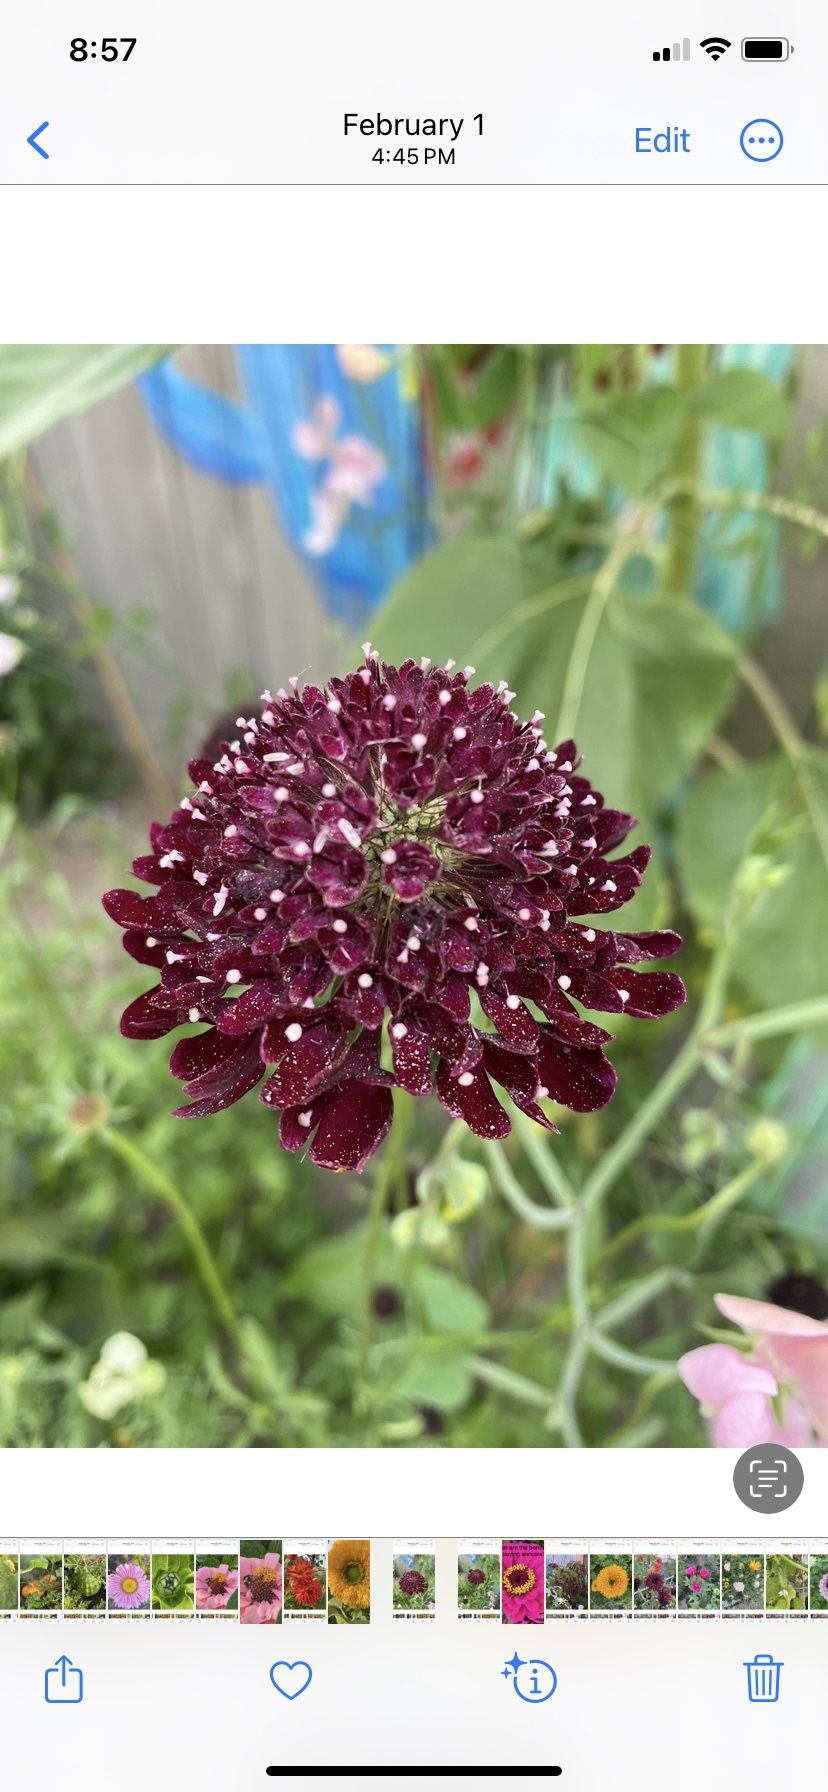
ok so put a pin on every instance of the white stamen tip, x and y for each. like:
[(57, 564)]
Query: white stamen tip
[(513, 1002), (233, 977), (399, 1030), (340, 926), (293, 1032), (389, 856), (418, 741), (365, 981), (194, 1014), (466, 1079), (306, 1118), (624, 994), (564, 982), (476, 796)]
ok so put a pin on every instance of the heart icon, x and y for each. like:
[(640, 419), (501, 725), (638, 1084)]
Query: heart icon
[(282, 1673)]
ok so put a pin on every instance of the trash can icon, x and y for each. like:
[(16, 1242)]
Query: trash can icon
[(763, 1679)]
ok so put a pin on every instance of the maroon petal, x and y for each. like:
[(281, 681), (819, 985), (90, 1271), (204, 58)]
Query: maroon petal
[(470, 1097), (145, 1019), (519, 1077), (514, 1023), (305, 1061), (355, 1119), (224, 1086), (412, 1067), (577, 1077)]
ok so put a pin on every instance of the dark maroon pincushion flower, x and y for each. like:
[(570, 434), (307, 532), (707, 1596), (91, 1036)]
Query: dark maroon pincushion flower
[(475, 1577), (389, 850), (412, 1581)]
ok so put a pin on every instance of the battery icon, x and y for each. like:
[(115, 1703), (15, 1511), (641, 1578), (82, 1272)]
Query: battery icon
[(765, 49)]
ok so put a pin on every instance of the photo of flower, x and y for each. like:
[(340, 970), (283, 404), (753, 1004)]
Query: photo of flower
[(84, 1583), (305, 1582), (173, 1584), (610, 1583), (786, 1583), (522, 1582), (413, 1583), (440, 732), (699, 1583), (818, 1586), (261, 1589), (478, 1582), (349, 1581), (567, 1585), (743, 1583), (9, 1583), (41, 1586), (128, 1585), (217, 1583), (654, 1583)]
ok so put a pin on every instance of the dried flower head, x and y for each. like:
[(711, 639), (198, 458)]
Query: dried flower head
[(396, 850)]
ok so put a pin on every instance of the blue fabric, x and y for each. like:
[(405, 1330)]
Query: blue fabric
[(252, 442)]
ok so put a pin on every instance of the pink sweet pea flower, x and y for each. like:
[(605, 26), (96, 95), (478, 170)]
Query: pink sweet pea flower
[(788, 1364)]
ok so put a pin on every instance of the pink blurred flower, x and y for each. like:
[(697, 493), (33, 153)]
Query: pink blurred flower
[(465, 460), (355, 468), (777, 1392)]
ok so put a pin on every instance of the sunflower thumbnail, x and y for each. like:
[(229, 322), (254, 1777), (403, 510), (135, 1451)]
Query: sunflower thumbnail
[(349, 1581)]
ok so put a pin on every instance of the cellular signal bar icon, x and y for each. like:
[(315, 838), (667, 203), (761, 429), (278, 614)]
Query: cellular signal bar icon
[(678, 53)]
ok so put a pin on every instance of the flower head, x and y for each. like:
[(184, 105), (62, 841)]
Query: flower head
[(128, 1587), (260, 1589), (214, 1587), (396, 851), (612, 1581), (123, 1373), (786, 1367), (349, 1572), (475, 1577), (412, 1581)]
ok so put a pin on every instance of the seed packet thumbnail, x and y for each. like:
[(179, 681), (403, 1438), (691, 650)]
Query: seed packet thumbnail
[(129, 1578), (173, 1580), (84, 1577), (306, 1580), (522, 1577), (413, 1594), (786, 1581), (699, 1584), (41, 1580), (261, 1590), (610, 1582), (217, 1578), (743, 1580), (349, 1581), (654, 1581), (478, 1579), (567, 1581), (818, 1579), (9, 1577)]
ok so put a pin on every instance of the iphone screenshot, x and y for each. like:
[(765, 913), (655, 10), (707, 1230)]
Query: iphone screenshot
[(413, 895)]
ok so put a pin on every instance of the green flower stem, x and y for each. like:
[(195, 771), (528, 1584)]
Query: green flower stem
[(610, 1351), (546, 1219), (631, 1300), (506, 1381), (629, 543), (391, 1170), (793, 746), (707, 1214), (545, 1162), (168, 1191), (803, 516), (794, 1017), (682, 544)]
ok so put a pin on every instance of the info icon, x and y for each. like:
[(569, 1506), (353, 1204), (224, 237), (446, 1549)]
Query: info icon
[(768, 1478)]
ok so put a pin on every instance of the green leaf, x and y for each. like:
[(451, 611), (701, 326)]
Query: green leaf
[(40, 383), (431, 1378), (782, 952), (631, 441), (447, 601), (743, 398), (450, 1306)]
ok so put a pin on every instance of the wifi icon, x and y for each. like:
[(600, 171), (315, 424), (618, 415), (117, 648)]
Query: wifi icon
[(715, 46)]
